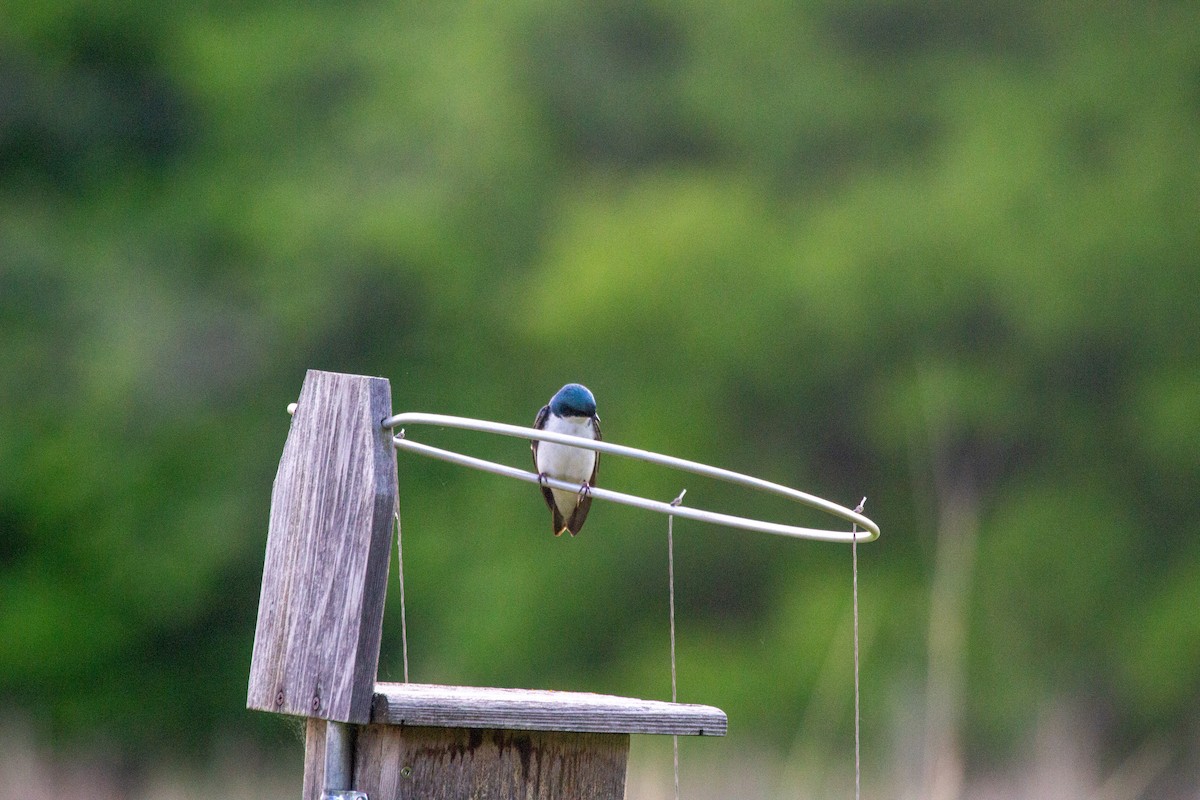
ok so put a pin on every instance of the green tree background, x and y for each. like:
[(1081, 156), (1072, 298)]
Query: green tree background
[(941, 255)]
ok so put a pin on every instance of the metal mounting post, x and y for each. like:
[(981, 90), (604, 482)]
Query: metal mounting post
[(339, 763)]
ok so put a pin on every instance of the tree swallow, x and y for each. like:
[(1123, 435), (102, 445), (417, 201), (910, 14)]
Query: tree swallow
[(572, 411)]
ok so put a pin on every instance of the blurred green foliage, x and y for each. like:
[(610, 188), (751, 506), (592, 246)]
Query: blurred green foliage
[(850, 247)]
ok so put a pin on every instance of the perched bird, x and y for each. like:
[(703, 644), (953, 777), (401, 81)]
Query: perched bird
[(572, 411)]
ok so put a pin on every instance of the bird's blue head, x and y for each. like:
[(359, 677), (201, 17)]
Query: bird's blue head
[(573, 400)]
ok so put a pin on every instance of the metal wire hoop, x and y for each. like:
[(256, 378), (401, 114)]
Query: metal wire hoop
[(869, 532)]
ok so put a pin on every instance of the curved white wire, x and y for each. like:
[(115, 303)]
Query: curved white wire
[(869, 534)]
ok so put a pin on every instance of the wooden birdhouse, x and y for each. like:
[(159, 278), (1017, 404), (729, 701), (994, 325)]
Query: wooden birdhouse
[(320, 619)]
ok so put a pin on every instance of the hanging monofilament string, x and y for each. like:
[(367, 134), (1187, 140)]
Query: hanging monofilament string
[(403, 619), (854, 593), (671, 586)]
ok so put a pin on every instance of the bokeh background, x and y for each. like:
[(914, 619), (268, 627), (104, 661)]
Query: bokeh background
[(943, 255)]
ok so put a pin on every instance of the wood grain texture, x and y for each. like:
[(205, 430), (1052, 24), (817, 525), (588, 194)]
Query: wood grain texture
[(529, 709), (320, 613), (416, 763)]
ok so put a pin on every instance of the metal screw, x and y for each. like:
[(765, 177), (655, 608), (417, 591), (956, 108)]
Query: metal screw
[(406, 772)]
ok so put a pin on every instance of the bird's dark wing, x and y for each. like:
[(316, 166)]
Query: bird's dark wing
[(596, 466), (557, 523), (539, 422), (579, 515), (556, 517)]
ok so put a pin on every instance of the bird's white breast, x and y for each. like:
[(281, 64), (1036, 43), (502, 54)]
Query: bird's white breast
[(563, 461)]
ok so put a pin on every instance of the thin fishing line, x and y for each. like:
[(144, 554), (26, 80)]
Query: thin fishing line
[(403, 616), (671, 584), (857, 706)]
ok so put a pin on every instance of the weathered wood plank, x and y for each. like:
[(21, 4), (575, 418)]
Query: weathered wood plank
[(320, 614), (407, 763), (529, 709)]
